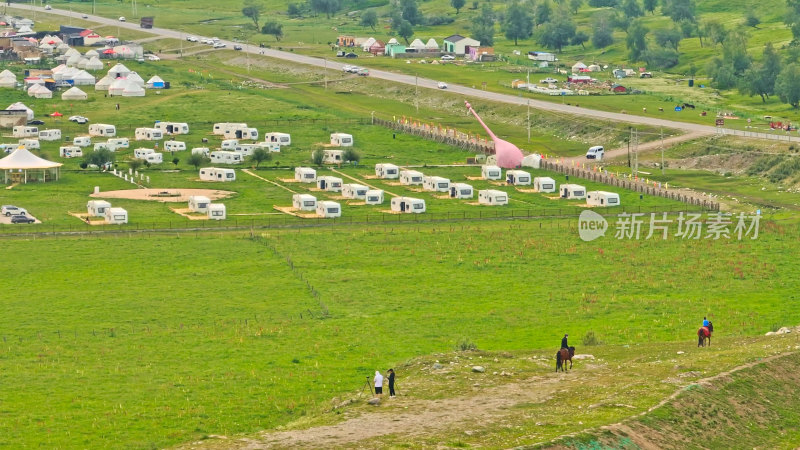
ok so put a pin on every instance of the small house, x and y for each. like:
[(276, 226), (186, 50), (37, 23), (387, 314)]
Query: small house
[(148, 134), (602, 198), (116, 216), (70, 151), (490, 172), (305, 174), (102, 129), (410, 177), (618, 89), (174, 146), (82, 141), (225, 157), (280, 138), (492, 197), (572, 191), (461, 190), (533, 160), (332, 156), (436, 184), (408, 205), (387, 171), (346, 41), (199, 203), (329, 183), (354, 191), (304, 202), (518, 177), (378, 48), (482, 54), (394, 49), (97, 208), (619, 73), (342, 139), (544, 184), (459, 45), (374, 197), (328, 209), (217, 211), (49, 135)]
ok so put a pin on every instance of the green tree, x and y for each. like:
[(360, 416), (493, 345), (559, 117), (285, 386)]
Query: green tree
[(760, 79), (650, 6), (175, 161), (351, 155), (99, 158), (135, 164), (293, 10), (580, 38), (751, 19), (541, 13), (632, 9), (792, 18), (662, 57), (483, 26), (518, 23), (253, 9), (668, 37), (369, 19), (273, 28), (318, 156), (714, 31), (329, 7), (403, 28), (603, 34), (197, 160), (457, 4), (787, 85), (575, 5), (679, 10), (260, 155), (558, 33), (636, 40), (410, 12)]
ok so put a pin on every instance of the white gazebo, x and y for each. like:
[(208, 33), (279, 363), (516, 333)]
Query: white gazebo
[(22, 166)]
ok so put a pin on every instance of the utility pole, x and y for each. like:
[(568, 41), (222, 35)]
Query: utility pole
[(630, 137), (416, 92), (636, 152), (661, 131), (325, 75), (529, 121)]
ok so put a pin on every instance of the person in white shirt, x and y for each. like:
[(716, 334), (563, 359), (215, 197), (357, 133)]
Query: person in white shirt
[(378, 383)]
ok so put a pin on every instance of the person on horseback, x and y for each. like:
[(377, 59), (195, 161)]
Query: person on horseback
[(564, 341), (705, 322)]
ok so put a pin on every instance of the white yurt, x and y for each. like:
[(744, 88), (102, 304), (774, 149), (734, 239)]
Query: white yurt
[(133, 90), (83, 78), (73, 60), (117, 86), (416, 44), (82, 63), (103, 84), (6, 73), (392, 41), (39, 91), (72, 52), (92, 54), (65, 74), (62, 48), (58, 69), (432, 44), (119, 70), (74, 93), (46, 48), (8, 81), (135, 78), (94, 64), (155, 82), (21, 106)]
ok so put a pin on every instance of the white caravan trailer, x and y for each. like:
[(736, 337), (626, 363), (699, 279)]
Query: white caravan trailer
[(602, 198), (332, 156), (101, 146), (174, 146), (241, 133), (305, 174), (387, 171), (154, 158), (217, 211), (328, 209), (50, 135), (279, 138), (226, 157), (205, 151), (533, 160), (354, 191), (408, 205), (172, 127), (141, 153), (304, 202), (217, 174), (329, 183), (116, 216), (114, 144), (572, 191), (24, 131), (544, 184), (272, 147), (102, 129), (229, 144), (492, 197), (246, 149), (490, 172), (461, 190), (82, 141), (70, 151), (199, 203), (410, 177), (374, 197), (436, 184), (30, 144), (518, 177), (222, 127), (342, 139), (97, 208), (148, 134)]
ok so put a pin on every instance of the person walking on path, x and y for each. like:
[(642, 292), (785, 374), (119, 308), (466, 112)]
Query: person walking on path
[(391, 383), (564, 341), (378, 383)]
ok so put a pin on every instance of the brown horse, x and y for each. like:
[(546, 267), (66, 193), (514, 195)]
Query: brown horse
[(703, 334), (562, 356)]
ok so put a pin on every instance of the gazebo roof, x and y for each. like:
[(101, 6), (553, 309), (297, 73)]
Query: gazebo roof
[(22, 158)]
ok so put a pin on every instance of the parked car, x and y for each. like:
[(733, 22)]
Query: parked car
[(346, 68), (191, 38), (340, 54), (363, 72), (36, 122), (11, 210), (351, 55), (237, 47), (442, 85), (206, 41), (219, 45), (548, 80), (596, 152), (47, 7), (152, 57), (84, 16), (22, 219), (78, 119), (122, 19), (448, 57)]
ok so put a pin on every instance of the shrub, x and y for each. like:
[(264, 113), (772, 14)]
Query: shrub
[(318, 156), (590, 339), (465, 345), (351, 155), (438, 20)]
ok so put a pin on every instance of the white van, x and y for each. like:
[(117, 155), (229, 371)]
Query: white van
[(595, 152), (49, 135), (82, 141), (174, 146)]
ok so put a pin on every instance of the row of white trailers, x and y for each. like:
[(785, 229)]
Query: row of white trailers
[(102, 208)]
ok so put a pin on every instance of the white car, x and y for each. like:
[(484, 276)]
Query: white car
[(548, 80), (346, 69), (84, 16), (206, 41), (191, 38), (219, 45), (152, 58), (78, 119), (122, 19), (442, 85), (48, 7), (448, 57)]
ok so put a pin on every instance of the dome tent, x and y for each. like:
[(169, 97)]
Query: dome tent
[(74, 93)]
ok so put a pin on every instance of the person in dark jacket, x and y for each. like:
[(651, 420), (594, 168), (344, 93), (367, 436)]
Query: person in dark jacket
[(564, 342), (390, 375)]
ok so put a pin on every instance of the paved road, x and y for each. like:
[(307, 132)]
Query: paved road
[(421, 82)]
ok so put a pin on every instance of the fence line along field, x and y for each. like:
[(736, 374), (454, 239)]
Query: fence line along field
[(135, 341)]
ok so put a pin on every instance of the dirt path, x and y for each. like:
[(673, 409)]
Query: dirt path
[(413, 417), (645, 147)]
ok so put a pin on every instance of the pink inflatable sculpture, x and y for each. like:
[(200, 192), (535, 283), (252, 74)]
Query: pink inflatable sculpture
[(508, 155)]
